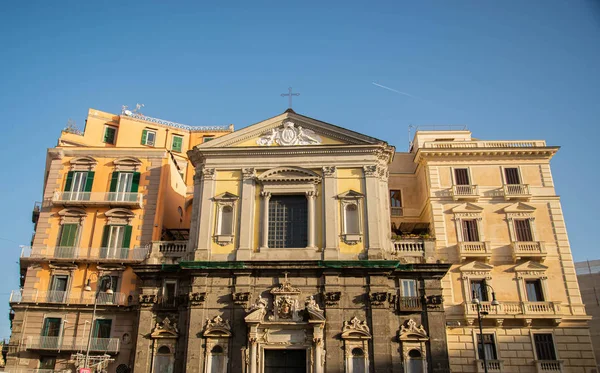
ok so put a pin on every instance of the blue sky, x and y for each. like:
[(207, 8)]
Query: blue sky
[(506, 69)]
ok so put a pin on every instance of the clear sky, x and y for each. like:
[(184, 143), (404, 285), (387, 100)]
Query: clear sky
[(506, 69)]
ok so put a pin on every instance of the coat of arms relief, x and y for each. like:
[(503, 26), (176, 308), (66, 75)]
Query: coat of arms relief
[(288, 134)]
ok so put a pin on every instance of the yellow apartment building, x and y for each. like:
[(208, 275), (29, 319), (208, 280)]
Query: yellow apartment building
[(296, 245), (109, 192)]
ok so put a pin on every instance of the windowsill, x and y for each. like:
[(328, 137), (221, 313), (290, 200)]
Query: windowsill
[(223, 239), (352, 239)]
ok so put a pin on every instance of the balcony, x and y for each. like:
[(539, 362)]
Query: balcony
[(524, 310), (106, 345), (516, 191), (409, 250), (397, 211), (115, 199), (67, 253), (167, 252), (528, 249), (410, 304), (493, 366), (465, 192), (483, 144), (549, 366), (68, 298), (475, 250)]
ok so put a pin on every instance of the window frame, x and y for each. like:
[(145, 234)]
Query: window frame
[(145, 133), (464, 229), (485, 290), (533, 345), (529, 222), (415, 287), (519, 173), (104, 134), (273, 220), (169, 281), (222, 201), (399, 209), (539, 287), (495, 344), (469, 175), (173, 136)]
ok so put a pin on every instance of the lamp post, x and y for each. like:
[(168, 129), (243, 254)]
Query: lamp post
[(480, 314), (108, 291)]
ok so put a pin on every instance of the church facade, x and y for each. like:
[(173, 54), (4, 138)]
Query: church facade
[(289, 266)]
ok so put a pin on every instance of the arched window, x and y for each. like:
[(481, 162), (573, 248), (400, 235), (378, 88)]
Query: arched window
[(352, 223), (217, 360), (415, 363), (358, 360), (163, 361), (226, 223)]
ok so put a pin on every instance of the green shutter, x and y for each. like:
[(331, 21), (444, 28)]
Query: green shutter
[(135, 182), (145, 137), (105, 236), (113, 182), (109, 135), (69, 181), (89, 181), (68, 235), (177, 143), (127, 236)]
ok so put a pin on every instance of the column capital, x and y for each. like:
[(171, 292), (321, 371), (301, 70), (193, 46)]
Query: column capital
[(311, 194), (208, 173), (370, 170), (329, 171), (265, 194), (248, 173)]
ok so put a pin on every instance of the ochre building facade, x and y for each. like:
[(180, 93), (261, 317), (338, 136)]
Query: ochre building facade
[(294, 245)]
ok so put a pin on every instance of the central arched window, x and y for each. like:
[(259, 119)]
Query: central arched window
[(163, 361), (358, 360), (217, 360)]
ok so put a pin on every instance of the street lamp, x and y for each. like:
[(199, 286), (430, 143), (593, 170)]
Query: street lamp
[(480, 314), (108, 291)]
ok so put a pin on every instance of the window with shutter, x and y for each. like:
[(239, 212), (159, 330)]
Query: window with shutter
[(523, 230), (470, 230), (512, 176), (110, 134), (461, 176), (68, 235), (148, 137), (487, 348), (544, 346), (534, 291), (177, 143)]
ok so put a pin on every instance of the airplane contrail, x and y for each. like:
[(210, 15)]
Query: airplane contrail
[(393, 90)]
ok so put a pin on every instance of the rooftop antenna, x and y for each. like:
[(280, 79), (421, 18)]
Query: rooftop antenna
[(410, 143)]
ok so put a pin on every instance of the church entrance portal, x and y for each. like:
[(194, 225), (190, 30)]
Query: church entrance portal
[(285, 361)]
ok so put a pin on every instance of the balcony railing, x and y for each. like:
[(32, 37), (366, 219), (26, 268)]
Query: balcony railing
[(66, 297), (515, 308), (528, 249), (512, 191), (110, 345), (409, 248), (465, 192), (483, 144), (495, 366), (397, 211), (410, 304), (549, 366), (474, 249), (137, 254), (98, 198)]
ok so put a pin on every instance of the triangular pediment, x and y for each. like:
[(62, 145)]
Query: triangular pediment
[(530, 266), (467, 207), (476, 266), (350, 194), (290, 129), (227, 196), (519, 207)]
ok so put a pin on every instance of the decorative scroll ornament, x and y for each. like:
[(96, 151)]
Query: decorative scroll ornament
[(217, 327), (314, 311), (410, 329), (258, 310), (165, 329), (288, 135), (355, 329)]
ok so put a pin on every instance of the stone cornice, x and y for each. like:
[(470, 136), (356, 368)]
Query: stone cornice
[(545, 152), (113, 152)]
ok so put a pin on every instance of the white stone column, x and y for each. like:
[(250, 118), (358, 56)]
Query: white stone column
[(331, 207), (246, 214), (373, 219), (253, 355), (311, 196), (205, 214), (266, 196)]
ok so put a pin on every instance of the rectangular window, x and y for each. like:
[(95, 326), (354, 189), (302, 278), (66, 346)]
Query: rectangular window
[(148, 137), (523, 230), (207, 139), (169, 293), (461, 176), (479, 290), (534, 290), (396, 202), (470, 230), (544, 346), (58, 289), (106, 283), (124, 186), (288, 221), (409, 288), (47, 362), (511, 174), (102, 328), (177, 143), (110, 134), (68, 235), (116, 240), (78, 185), (487, 348), (51, 327)]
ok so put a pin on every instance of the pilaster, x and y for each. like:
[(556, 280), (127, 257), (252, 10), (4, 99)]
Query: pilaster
[(206, 211), (331, 208), (246, 213), (373, 220)]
